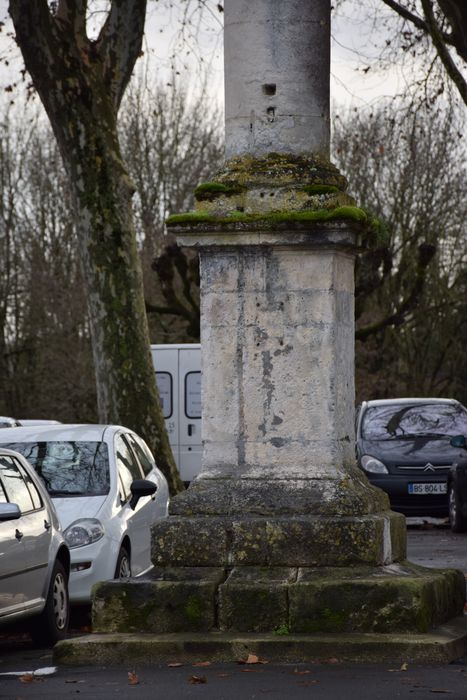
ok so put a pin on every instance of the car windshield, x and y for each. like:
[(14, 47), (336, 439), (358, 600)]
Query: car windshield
[(399, 421), (68, 468)]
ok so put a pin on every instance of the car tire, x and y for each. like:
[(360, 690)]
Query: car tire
[(52, 624), (457, 521), (123, 566)]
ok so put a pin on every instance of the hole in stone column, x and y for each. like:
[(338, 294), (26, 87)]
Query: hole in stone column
[(251, 126), (261, 194), (269, 89), (257, 303), (271, 194), (240, 208), (271, 112)]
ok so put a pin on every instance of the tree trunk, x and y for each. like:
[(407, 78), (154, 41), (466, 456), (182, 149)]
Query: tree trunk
[(81, 84)]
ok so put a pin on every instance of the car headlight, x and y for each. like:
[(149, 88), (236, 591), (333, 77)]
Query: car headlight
[(83, 531), (373, 465)]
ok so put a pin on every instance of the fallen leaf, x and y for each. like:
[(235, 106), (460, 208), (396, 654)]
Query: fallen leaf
[(132, 678), (252, 659), (175, 664), (332, 660), (27, 678), (404, 667), (224, 675), (194, 680), (251, 670), (202, 663), (301, 673)]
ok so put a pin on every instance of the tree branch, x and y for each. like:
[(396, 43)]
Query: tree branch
[(426, 253), (440, 46), (119, 43), (414, 19), (35, 35)]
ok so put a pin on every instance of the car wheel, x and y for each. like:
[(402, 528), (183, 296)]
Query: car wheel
[(456, 519), (123, 567), (52, 624)]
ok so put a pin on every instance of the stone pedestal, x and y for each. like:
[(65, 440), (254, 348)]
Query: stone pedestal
[(281, 532)]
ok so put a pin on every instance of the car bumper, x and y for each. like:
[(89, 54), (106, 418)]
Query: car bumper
[(89, 565), (397, 488)]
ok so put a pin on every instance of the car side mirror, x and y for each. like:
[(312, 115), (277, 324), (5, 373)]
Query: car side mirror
[(140, 488), (9, 511), (457, 441)]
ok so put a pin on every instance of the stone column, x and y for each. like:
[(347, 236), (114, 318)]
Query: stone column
[(281, 530)]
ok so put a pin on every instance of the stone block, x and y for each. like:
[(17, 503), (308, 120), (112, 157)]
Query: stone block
[(254, 599), (314, 541), (384, 600), (181, 601), (196, 541)]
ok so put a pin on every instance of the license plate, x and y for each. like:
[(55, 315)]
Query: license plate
[(427, 489)]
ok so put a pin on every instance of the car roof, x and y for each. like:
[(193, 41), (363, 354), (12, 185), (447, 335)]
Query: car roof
[(69, 432), (389, 402)]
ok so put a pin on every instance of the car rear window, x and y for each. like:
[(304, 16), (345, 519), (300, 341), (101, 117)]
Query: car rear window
[(68, 468), (399, 421)]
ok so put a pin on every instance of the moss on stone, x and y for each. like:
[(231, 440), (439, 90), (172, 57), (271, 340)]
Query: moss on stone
[(319, 189), (202, 217), (207, 191), (194, 608)]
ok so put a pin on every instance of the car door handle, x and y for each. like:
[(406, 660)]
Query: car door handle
[(191, 429), (18, 534), (46, 525)]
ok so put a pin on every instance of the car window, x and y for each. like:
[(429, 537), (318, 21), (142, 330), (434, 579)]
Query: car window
[(32, 488), (399, 421), (142, 452), (3, 498), (128, 467), (69, 468), (14, 485)]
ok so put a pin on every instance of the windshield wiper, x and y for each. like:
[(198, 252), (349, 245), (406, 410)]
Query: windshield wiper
[(53, 492)]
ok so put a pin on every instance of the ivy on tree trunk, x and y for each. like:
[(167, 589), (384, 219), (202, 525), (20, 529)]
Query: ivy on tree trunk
[(81, 84)]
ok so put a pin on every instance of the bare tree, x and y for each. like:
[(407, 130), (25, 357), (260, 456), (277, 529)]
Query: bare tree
[(411, 286), (172, 141), (426, 37), (81, 83)]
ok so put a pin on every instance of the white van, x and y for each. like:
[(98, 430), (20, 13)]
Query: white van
[(178, 376)]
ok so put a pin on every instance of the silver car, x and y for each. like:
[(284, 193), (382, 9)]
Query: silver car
[(34, 559)]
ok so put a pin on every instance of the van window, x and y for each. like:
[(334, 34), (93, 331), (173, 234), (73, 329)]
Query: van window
[(164, 384), (193, 395)]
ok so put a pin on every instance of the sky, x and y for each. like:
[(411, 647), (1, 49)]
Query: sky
[(352, 46)]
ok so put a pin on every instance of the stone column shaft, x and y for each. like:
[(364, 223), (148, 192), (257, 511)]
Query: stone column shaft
[(277, 66)]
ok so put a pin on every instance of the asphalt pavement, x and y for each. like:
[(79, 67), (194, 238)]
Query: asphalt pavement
[(429, 543)]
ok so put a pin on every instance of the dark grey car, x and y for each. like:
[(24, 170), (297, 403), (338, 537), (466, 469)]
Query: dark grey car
[(403, 445), (35, 561)]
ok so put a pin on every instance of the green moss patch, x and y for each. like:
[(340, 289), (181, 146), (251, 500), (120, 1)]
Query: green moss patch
[(208, 191), (202, 217), (320, 189)]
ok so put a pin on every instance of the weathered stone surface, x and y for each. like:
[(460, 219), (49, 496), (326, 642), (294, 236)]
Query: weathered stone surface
[(189, 542), (245, 490), (255, 600), (442, 645), (293, 540), (182, 601), (398, 598)]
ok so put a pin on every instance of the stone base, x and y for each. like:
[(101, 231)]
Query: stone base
[(395, 598), (442, 645)]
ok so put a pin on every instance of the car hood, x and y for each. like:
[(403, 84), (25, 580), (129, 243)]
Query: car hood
[(414, 450), (75, 508)]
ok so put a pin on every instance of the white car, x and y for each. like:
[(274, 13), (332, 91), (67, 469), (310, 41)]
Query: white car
[(34, 559), (108, 493)]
